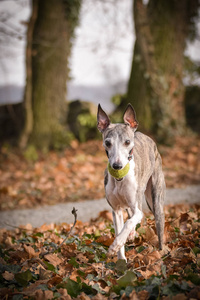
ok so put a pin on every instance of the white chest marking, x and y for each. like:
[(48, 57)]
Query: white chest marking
[(121, 194)]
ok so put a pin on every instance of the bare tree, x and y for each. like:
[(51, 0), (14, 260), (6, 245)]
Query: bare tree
[(155, 86), (49, 37)]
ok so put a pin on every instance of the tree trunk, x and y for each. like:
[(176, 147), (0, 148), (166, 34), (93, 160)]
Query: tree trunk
[(49, 37), (51, 47), (27, 104), (155, 86)]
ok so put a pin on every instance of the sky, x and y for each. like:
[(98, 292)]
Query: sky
[(12, 44), (101, 54)]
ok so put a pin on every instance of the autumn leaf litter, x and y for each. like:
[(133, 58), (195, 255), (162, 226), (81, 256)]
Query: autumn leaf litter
[(76, 174), (33, 266)]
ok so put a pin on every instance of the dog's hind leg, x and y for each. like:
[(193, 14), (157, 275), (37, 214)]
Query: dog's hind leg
[(148, 195), (155, 194)]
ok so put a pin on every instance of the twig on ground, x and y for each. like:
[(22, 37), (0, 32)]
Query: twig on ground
[(68, 234)]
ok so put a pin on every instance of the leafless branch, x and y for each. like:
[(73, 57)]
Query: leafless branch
[(68, 234)]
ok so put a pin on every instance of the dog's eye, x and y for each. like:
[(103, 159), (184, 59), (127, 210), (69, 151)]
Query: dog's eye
[(127, 142), (108, 144)]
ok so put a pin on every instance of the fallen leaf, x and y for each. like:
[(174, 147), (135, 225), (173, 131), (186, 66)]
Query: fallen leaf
[(151, 236), (105, 240), (64, 293), (8, 276), (31, 252), (106, 215), (151, 257), (48, 295), (53, 259)]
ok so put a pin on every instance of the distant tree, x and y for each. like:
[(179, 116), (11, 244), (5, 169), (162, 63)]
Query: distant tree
[(155, 86), (49, 38)]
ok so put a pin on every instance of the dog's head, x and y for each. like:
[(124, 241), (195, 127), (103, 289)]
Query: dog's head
[(118, 139)]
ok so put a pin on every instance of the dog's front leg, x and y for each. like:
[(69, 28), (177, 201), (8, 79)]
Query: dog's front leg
[(118, 225), (130, 225)]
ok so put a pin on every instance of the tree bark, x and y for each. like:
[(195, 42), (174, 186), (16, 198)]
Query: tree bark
[(49, 37), (51, 48), (155, 86)]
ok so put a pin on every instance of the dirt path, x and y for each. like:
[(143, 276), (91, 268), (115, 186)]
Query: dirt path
[(86, 210)]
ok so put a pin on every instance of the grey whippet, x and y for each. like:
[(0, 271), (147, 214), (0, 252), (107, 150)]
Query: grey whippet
[(134, 170)]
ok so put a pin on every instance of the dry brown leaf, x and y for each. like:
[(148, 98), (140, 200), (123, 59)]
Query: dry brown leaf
[(99, 297), (43, 273), (31, 289), (46, 227), (83, 296), (105, 240), (177, 297), (69, 251), (48, 295), (143, 295), (81, 257), (146, 274), (8, 241), (54, 280), (106, 215), (19, 256), (151, 236), (8, 276), (131, 253), (38, 294), (64, 293), (43, 295), (31, 252), (151, 257), (133, 295), (184, 217), (73, 275), (53, 259)]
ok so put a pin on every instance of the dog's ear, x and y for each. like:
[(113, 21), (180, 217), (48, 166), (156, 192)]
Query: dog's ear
[(102, 119), (130, 117)]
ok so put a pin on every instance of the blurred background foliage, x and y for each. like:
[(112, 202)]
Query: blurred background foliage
[(165, 105)]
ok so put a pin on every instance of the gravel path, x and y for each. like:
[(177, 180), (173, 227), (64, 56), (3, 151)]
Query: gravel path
[(86, 210)]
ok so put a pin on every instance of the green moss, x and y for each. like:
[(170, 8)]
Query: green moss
[(58, 137), (31, 153), (117, 99), (82, 120), (72, 9), (88, 120)]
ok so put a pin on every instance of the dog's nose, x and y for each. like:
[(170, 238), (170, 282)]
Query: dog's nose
[(117, 166)]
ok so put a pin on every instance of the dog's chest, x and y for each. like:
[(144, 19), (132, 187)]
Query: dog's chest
[(121, 194)]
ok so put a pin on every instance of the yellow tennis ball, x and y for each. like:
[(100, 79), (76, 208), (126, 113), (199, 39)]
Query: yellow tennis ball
[(118, 174)]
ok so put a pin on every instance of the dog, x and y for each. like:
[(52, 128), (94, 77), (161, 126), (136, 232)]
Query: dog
[(134, 170)]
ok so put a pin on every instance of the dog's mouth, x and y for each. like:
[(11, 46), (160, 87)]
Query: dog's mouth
[(119, 174)]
